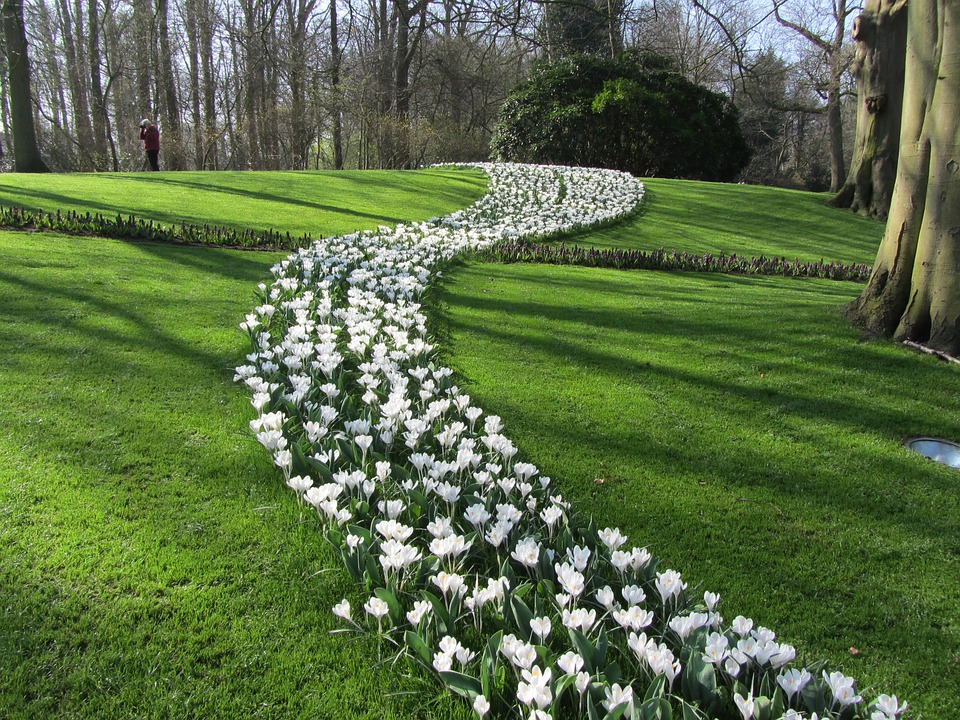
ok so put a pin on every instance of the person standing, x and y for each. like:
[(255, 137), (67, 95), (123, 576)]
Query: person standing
[(150, 134)]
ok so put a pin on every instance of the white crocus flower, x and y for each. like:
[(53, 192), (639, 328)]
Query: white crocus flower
[(571, 580), (731, 666), (842, 688), (633, 594), (710, 600), (887, 704), (421, 609), (342, 609), (612, 538), (477, 515), (717, 649), (541, 627), (570, 662), (535, 689), (300, 484), (579, 556), (606, 597), (745, 705), (481, 706), (669, 585), (582, 682), (742, 626), (527, 553), (617, 696), (793, 681), (376, 607), (442, 662)]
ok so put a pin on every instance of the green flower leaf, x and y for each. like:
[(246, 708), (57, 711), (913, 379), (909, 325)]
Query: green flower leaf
[(465, 685)]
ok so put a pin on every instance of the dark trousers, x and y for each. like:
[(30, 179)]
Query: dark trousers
[(154, 157)]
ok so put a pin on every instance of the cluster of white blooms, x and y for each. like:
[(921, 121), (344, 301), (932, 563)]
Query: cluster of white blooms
[(473, 563)]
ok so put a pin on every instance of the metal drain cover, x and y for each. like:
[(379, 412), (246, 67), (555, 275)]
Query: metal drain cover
[(941, 451)]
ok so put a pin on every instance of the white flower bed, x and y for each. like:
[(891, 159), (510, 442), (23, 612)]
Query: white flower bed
[(472, 565)]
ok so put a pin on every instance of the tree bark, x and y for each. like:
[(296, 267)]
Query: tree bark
[(914, 290), (97, 96), (193, 66), (335, 60), (210, 130), (78, 89), (145, 39), (254, 82), (301, 125), (880, 33), (173, 142), (26, 151)]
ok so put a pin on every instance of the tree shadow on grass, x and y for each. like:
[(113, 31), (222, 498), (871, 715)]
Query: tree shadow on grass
[(740, 430), (813, 385)]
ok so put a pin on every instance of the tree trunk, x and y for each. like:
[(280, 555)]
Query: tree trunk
[(26, 151), (254, 82), (78, 89), (401, 89), (881, 35), (97, 100), (173, 143), (301, 124), (145, 38), (193, 67), (335, 86), (269, 98), (914, 291), (408, 38), (835, 133)]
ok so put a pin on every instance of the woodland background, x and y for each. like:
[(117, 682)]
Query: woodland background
[(312, 84)]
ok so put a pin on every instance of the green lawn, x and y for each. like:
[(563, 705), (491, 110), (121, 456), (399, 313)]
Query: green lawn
[(745, 432), (742, 219), (152, 565), (328, 203)]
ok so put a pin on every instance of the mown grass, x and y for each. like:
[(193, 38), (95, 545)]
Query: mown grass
[(743, 219), (151, 563), (745, 432), (328, 203), (152, 566)]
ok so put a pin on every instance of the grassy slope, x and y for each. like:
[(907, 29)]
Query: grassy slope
[(118, 601), (151, 564), (745, 432), (742, 219), (328, 203)]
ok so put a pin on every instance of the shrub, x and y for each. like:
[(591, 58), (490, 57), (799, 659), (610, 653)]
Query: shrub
[(631, 114)]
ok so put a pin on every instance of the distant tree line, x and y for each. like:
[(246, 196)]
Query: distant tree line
[(302, 84)]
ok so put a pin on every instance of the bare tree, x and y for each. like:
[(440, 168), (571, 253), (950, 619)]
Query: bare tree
[(829, 42), (26, 151)]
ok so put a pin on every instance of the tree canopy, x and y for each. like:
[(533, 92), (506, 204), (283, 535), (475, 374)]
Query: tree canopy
[(632, 113)]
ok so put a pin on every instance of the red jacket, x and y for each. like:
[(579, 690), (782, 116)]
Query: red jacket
[(151, 137)]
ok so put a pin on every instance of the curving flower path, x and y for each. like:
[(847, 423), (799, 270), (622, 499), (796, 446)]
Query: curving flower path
[(472, 567)]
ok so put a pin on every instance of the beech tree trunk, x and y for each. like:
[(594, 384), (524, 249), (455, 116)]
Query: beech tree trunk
[(914, 291), (335, 60), (172, 142), (78, 88), (97, 98), (26, 151), (880, 33)]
